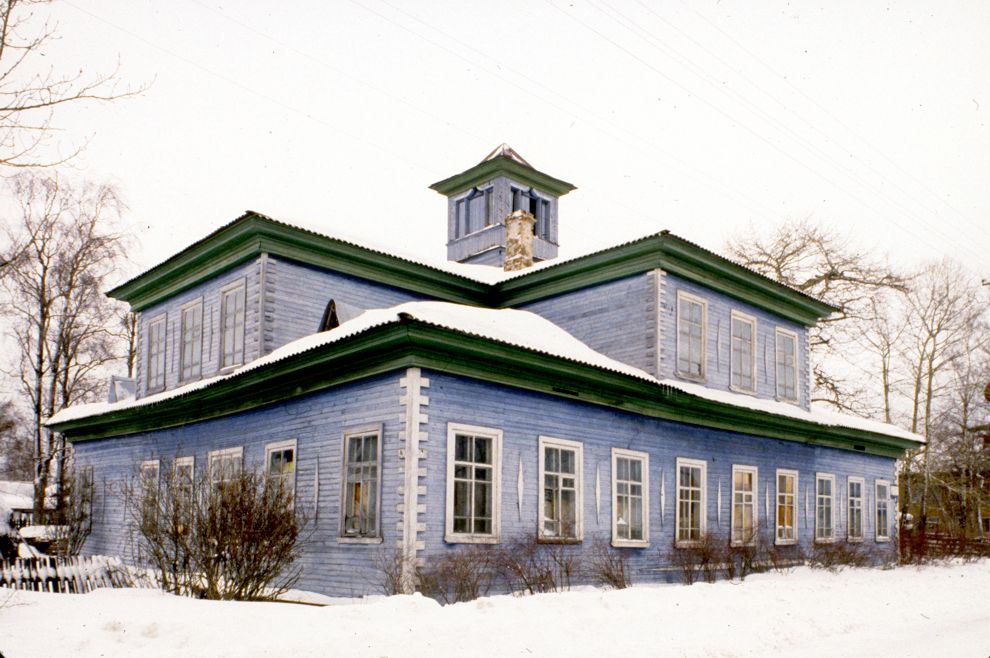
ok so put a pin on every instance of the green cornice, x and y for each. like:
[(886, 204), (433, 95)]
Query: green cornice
[(252, 234), (501, 166), (413, 343)]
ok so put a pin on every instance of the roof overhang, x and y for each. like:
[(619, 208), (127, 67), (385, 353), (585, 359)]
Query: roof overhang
[(410, 342), (501, 166)]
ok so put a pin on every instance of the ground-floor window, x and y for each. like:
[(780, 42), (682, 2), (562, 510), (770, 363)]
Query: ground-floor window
[(690, 511), (883, 510), (630, 498), (560, 472), (855, 511), (362, 477), (744, 481), (280, 464), (824, 507), (787, 483), (473, 475)]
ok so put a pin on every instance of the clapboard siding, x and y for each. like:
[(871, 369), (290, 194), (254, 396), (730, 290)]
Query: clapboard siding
[(617, 318), (299, 296), (317, 423), (523, 417), (209, 292), (717, 348)]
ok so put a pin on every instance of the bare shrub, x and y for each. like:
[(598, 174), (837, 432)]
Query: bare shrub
[(233, 540), (837, 555), (704, 558), (390, 565), (73, 522), (784, 557), (460, 574), (751, 556), (606, 566), (528, 566)]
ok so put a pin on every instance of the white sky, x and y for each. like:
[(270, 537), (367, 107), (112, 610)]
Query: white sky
[(696, 117)]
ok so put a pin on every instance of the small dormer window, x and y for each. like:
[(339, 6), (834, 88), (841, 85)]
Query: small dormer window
[(535, 205), (473, 211)]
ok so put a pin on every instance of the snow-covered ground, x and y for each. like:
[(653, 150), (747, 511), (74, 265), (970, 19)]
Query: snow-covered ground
[(932, 611)]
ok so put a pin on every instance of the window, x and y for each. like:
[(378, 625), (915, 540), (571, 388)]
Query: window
[(225, 465), (855, 511), (232, 326), (149, 488), (191, 354), (88, 488), (280, 464), (560, 504), (473, 477), (787, 482), (742, 365), (883, 510), (362, 468), (535, 205), (473, 212), (690, 336), (690, 520), (744, 479), (630, 498), (824, 507), (156, 354), (184, 472), (786, 365)]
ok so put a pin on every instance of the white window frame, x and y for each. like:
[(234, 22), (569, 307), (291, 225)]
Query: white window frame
[(196, 367), (375, 536), (794, 507), (161, 369), (287, 444), (703, 520), (237, 359), (151, 464), (578, 449), (645, 458), (849, 508), (830, 538), (177, 484), (780, 331), (451, 537), (754, 471), (221, 454), (686, 296), (885, 535), (751, 321)]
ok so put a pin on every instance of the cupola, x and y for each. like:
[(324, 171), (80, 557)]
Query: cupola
[(481, 198)]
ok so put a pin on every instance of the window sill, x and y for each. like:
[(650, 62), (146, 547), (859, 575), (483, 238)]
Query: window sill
[(630, 543), (854, 540), (452, 538), (359, 540), (744, 391), (698, 379), (739, 544), (793, 401), (883, 540), (230, 368), (785, 542), (559, 540), (820, 540)]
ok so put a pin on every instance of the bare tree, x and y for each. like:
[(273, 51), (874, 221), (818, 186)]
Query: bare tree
[(65, 251), (15, 444), (818, 261), (32, 89)]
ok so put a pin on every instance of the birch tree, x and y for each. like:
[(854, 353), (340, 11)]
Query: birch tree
[(63, 250)]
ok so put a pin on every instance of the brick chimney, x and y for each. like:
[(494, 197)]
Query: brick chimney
[(518, 240)]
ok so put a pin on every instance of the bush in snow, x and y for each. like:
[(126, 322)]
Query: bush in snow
[(606, 566), (235, 536), (460, 574), (529, 566), (834, 556)]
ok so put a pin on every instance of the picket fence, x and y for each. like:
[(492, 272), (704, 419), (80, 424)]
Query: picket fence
[(76, 575)]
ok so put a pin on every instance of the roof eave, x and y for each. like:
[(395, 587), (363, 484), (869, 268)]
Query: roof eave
[(501, 166)]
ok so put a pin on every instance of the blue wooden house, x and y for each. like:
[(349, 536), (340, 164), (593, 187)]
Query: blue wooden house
[(648, 393)]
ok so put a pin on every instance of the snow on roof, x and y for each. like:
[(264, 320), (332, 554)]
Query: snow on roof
[(819, 415), (511, 326)]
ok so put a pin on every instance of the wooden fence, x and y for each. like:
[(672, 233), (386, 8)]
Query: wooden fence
[(76, 575)]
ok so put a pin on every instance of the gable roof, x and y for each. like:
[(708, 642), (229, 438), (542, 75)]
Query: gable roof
[(253, 233), (509, 347)]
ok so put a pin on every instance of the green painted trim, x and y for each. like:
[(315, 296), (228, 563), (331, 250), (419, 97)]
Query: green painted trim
[(501, 166), (252, 234), (413, 343)]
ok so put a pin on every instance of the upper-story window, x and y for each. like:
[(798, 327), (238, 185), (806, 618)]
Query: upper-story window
[(691, 312), (743, 352), (473, 212), (232, 325), (786, 364), (535, 205), (191, 355), (156, 354)]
